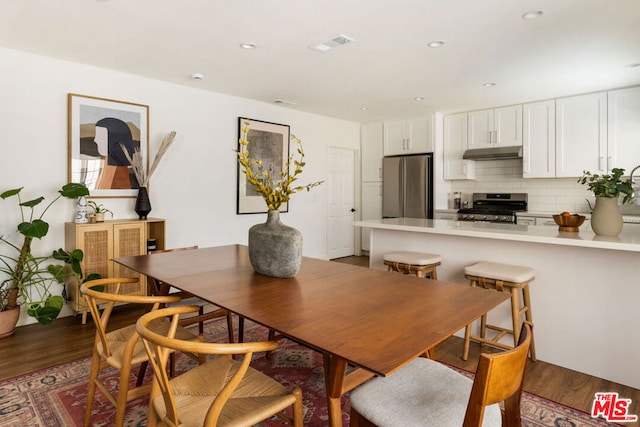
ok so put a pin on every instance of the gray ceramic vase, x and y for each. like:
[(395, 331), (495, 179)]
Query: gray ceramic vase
[(606, 219), (275, 249)]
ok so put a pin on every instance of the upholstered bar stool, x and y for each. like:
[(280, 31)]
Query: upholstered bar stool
[(503, 278), (417, 263)]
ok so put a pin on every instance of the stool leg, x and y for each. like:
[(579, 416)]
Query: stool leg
[(483, 327), (526, 298), (434, 274), (515, 316), (421, 274)]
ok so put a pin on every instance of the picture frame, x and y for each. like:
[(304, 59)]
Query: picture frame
[(268, 142), (96, 129)]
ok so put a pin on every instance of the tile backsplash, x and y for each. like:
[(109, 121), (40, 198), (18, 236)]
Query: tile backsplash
[(545, 194)]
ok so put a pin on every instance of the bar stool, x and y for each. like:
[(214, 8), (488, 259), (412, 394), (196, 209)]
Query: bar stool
[(503, 278), (417, 263)]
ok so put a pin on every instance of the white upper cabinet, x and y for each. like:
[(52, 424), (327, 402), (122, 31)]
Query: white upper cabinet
[(624, 128), (539, 139), (409, 136), (581, 135), (371, 149), (455, 144), (498, 127)]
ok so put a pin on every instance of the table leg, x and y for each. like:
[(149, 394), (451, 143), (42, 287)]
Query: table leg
[(334, 370)]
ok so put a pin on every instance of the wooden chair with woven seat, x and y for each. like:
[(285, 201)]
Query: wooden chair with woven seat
[(223, 391), (428, 393), (159, 288), (120, 348)]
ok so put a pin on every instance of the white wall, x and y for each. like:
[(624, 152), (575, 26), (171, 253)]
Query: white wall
[(194, 188)]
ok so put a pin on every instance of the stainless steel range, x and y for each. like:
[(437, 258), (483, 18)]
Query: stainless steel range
[(494, 207)]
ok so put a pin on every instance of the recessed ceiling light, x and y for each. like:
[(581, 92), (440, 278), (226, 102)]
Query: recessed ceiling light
[(364, 108), (489, 84), (419, 98), (436, 43), (247, 45), (197, 76), (533, 14), (634, 65)]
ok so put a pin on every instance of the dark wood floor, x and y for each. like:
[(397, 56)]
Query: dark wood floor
[(36, 347)]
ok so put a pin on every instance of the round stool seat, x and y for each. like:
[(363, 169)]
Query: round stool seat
[(413, 258), (498, 271)]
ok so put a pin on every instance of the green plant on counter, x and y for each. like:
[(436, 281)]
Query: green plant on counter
[(25, 276), (608, 185)]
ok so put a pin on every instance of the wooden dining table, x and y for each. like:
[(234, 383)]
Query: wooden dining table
[(372, 320)]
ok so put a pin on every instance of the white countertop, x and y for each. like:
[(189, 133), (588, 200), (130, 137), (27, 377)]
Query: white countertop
[(628, 240)]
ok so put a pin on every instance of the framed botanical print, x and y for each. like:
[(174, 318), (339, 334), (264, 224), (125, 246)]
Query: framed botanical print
[(268, 143), (100, 130)]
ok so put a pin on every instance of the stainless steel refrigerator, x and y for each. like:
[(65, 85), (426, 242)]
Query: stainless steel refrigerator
[(407, 186)]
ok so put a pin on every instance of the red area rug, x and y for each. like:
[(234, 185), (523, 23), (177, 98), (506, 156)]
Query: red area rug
[(57, 396)]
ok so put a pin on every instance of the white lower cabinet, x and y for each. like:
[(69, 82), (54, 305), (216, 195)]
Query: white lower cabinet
[(371, 207)]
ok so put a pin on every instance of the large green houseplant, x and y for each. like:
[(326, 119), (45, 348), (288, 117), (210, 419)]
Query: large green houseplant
[(25, 277)]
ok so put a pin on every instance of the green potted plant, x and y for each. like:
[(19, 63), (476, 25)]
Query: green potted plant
[(606, 219), (23, 276), (98, 211)]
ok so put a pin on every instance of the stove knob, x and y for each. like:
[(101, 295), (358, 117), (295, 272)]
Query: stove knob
[(483, 217), (471, 216)]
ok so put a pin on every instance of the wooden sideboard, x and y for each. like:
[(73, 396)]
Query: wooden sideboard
[(103, 241)]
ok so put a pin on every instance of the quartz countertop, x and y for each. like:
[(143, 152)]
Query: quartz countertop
[(628, 240)]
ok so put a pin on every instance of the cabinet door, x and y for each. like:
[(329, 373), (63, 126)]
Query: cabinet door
[(624, 129), (539, 140), (371, 207), (581, 135), (455, 144), (481, 129), (395, 137), (371, 149), (420, 135), (130, 239), (507, 126), (96, 241)]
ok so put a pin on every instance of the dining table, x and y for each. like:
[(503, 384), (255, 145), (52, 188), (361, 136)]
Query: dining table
[(365, 322)]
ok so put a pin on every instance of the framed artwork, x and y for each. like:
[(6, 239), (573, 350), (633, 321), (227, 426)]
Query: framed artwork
[(268, 142), (99, 128)]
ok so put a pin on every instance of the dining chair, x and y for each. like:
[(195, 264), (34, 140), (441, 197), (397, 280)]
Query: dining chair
[(120, 348), (428, 393), (206, 312), (223, 391)]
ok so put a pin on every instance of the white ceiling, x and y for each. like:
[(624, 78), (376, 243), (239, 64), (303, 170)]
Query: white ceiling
[(577, 46)]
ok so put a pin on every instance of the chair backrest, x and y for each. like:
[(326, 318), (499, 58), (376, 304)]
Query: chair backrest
[(159, 346), (101, 296), (499, 377)]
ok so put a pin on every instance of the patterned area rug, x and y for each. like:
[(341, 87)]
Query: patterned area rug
[(56, 396)]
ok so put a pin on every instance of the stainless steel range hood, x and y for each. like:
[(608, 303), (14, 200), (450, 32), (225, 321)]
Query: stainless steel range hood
[(494, 153)]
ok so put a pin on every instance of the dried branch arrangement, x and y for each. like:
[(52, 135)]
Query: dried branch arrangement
[(137, 164)]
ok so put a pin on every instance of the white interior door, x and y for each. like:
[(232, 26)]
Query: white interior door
[(341, 198)]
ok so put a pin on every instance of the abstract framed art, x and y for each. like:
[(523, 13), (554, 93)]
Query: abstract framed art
[(269, 143), (99, 128)]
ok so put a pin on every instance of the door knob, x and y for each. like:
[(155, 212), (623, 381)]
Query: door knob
[(353, 210)]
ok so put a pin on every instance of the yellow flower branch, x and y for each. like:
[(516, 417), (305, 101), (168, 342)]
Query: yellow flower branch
[(278, 192)]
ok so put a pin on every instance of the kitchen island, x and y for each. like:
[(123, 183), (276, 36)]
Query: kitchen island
[(585, 298)]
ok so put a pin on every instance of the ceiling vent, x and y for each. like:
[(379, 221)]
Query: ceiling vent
[(341, 40), (283, 102)]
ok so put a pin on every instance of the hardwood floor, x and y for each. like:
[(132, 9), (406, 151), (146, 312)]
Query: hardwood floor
[(36, 347)]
